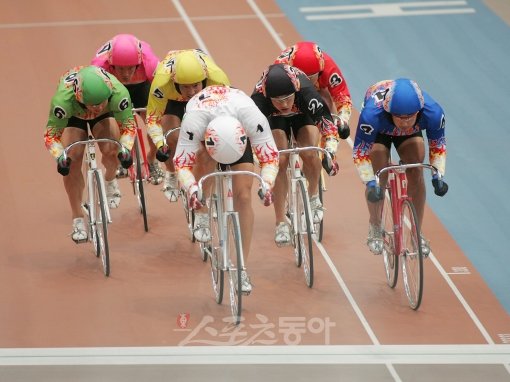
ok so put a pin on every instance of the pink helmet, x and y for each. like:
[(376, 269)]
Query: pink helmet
[(126, 50)]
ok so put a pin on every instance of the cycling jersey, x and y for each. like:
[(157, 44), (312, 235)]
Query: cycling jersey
[(163, 89), (330, 78), (375, 120), (214, 101), (144, 71), (64, 105), (307, 101)]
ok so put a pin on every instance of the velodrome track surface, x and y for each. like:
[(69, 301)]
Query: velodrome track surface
[(61, 319)]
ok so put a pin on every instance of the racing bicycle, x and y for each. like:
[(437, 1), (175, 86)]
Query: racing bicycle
[(225, 249), (401, 231)]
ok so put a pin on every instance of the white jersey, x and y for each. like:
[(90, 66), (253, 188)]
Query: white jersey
[(210, 103)]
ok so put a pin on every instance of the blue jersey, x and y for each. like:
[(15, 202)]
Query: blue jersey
[(375, 120)]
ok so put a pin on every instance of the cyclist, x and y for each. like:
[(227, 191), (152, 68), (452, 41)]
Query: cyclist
[(180, 75), (223, 108), (133, 62), (396, 111), (325, 74), (88, 94), (286, 96)]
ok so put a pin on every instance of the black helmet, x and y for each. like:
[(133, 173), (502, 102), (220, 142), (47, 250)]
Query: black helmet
[(279, 80)]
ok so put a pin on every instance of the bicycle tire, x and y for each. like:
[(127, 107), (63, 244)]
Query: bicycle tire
[(412, 261), (305, 240), (102, 225), (189, 214), (140, 194), (319, 227), (213, 250), (390, 258), (291, 210), (234, 244)]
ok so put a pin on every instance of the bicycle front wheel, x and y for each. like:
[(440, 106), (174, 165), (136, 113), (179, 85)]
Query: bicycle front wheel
[(213, 250), (412, 266), (140, 194), (235, 269), (189, 214), (101, 223), (390, 258), (319, 227), (305, 242)]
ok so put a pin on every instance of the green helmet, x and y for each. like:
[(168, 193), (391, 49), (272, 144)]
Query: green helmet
[(93, 87)]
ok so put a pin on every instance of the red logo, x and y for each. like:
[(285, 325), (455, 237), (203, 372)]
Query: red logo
[(182, 320)]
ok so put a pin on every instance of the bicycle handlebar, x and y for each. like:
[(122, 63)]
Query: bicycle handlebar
[(297, 150), (263, 185), (92, 140), (171, 131), (139, 109), (403, 167)]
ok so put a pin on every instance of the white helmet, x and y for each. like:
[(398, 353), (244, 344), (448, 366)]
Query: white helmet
[(225, 139)]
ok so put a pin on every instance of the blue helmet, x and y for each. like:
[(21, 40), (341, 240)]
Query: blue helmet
[(404, 97)]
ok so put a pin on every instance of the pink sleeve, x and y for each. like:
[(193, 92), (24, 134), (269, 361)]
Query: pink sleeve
[(149, 60), (101, 61)]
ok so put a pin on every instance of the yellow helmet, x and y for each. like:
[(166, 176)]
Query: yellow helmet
[(189, 68)]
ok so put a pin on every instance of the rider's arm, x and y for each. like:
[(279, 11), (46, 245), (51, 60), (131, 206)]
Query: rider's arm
[(216, 76), (262, 141), (158, 99), (149, 60), (333, 79), (435, 128), (61, 110), (190, 135), (121, 106), (366, 133)]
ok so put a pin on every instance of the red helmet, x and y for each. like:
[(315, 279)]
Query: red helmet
[(126, 50), (308, 57)]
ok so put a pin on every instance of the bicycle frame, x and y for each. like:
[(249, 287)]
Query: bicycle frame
[(94, 176), (221, 208), (402, 232), (140, 141), (397, 186)]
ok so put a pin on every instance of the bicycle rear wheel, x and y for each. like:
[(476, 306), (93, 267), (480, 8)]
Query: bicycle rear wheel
[(138, 186), (234, 251), (213, 250), (101, 223), (305, 242), (412, 265), (390, 258), (319, 227)]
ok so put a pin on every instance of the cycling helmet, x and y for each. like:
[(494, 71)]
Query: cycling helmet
[(93, 86), (280, 80), (403, 97), (225, 139), (126, 50), (308, 57), (189, 68)]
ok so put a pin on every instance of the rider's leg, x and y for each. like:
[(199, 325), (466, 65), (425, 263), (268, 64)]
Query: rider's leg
[(309, 135), (74, 183), (242, 203), (412, 150)]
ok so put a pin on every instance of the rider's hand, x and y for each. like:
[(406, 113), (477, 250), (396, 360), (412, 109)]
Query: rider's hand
[(194, 201), (266, 198), (63, 165), (344, 131), (125, 158), (163, 153), (330, 165), (373, 192), (440, 186)]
